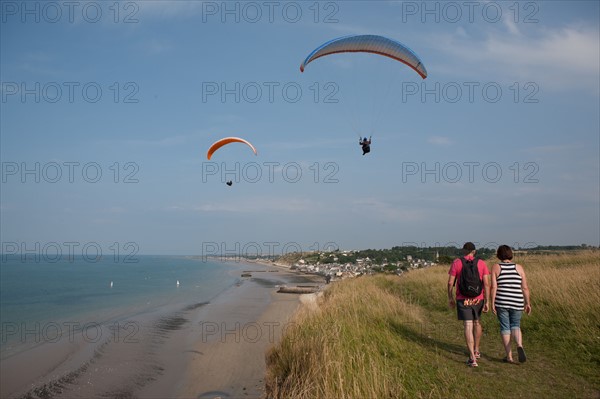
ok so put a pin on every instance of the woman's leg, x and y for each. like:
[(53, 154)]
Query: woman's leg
[(505, 332), (515, 328)]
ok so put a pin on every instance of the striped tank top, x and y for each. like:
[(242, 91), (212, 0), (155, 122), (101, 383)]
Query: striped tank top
[(509, 293)]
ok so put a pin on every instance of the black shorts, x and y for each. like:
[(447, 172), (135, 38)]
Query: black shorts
[(469, 312)]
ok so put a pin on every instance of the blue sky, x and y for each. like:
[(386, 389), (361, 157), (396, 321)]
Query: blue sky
[(108, 110)]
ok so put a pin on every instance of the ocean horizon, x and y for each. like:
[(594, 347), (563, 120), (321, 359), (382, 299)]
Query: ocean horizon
[(79, 329), (40, 299)]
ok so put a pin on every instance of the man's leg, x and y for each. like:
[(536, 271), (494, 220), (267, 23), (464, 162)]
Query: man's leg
[(469, 338), (477, 332)]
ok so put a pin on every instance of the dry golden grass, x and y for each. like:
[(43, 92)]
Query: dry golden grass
[(565, 292), (394, 337), (341, 346)]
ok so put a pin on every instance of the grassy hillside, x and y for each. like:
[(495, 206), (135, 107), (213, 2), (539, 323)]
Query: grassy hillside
[(394, 337)]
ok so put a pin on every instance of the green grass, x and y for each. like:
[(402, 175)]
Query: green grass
[(394, 337)]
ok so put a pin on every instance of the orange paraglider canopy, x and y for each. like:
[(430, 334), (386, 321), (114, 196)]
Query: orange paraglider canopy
[(227, 140)]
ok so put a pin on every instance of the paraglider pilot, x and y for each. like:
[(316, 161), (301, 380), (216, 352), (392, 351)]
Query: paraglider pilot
[(365, 144)]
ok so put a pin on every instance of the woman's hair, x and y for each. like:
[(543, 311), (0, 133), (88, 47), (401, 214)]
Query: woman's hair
[(504, 252)]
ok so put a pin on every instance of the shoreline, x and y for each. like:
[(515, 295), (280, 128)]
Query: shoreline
[(230, 350), (206, 349), (238, 260)]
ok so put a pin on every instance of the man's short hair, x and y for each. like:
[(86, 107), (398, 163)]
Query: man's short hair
[(468, 247)]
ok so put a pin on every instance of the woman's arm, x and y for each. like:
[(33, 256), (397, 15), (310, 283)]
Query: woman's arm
[(525, 289), (495, 273)]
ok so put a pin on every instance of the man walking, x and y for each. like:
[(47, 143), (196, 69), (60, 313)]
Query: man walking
[(472, 279)]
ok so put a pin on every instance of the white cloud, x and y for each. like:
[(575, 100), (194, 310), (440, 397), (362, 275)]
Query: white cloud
[(566, 58), (158, 142), (257, 205), (347, 29), (510, 24), (378, 209), (103, 221), (38, 63), (171, 9), (115, 210), (157, 46), (568, 49), (344, 63), (439, 140), (553, 149), (306, 144)]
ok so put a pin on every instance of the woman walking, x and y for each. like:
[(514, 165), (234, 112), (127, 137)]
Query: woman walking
[(510, 297)]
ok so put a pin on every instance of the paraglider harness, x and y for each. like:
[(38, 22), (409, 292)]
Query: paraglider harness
[(366, 144)]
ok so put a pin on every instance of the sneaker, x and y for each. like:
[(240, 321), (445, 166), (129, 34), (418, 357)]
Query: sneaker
[(522, 357), (472, 363), (477, 355)]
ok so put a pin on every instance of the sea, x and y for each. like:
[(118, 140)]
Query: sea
[(60, 312)]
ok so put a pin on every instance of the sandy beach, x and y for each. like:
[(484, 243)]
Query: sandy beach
[(232, 337), (210, 349)]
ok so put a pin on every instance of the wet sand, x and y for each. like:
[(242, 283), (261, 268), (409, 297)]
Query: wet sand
[(233, 337), (202, 350)]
